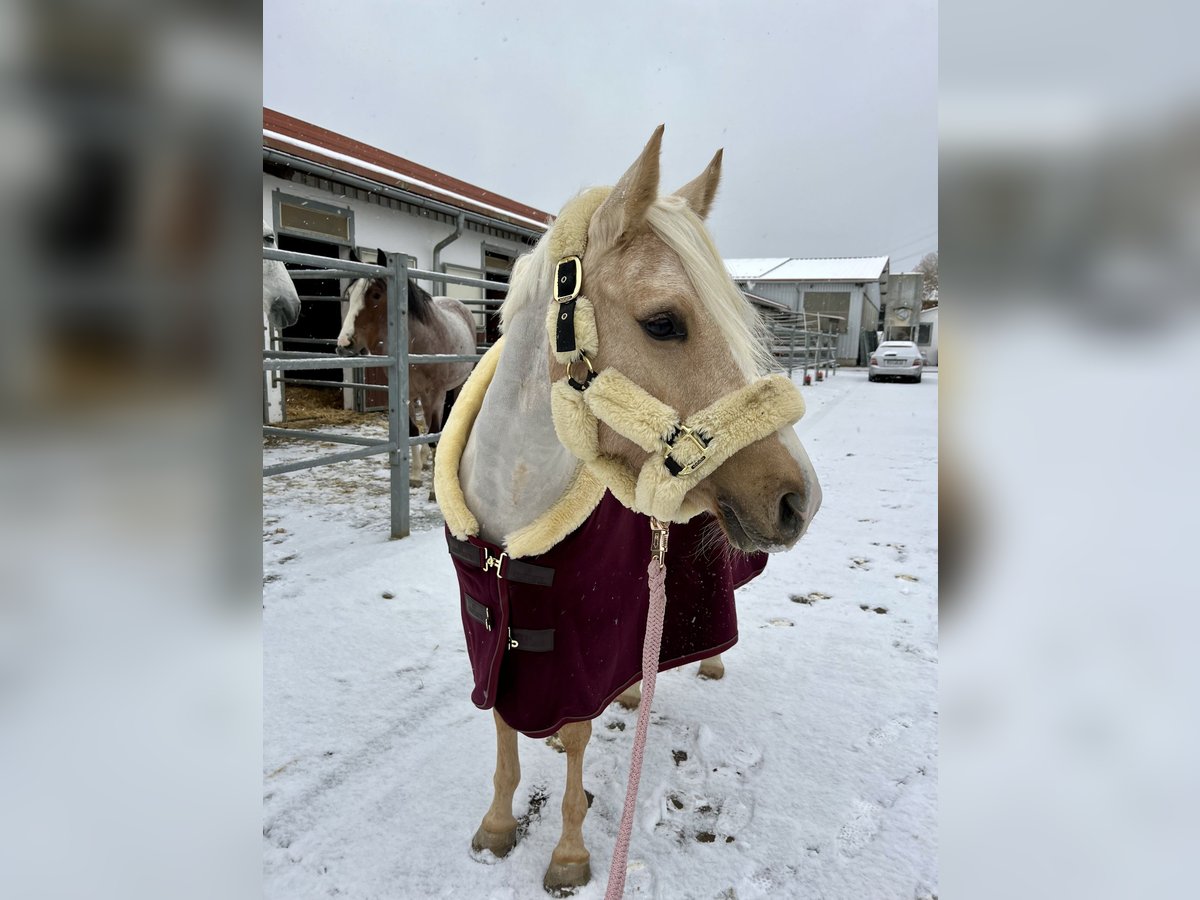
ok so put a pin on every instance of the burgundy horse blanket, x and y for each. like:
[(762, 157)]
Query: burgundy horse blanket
[(554, 638)]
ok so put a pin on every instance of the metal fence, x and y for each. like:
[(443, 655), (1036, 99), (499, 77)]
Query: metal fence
[(803, 340), (399, 444), (361, 402)]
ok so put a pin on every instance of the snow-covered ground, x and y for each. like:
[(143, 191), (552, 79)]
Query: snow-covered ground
[(809, 771)]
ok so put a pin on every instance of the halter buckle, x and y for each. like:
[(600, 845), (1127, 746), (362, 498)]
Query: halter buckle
[(701, 447), (568, 279)]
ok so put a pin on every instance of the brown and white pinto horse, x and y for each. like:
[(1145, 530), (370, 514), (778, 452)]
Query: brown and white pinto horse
[(673, 323), (435, 325)]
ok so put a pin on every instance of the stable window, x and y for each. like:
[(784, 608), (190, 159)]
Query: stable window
[(308, 218), (924, 333)]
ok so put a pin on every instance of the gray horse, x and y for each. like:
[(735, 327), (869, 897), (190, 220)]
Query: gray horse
[(435, 325), (281, 304)]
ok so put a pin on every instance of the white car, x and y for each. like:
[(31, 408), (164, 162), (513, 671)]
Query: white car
[(896, 359)]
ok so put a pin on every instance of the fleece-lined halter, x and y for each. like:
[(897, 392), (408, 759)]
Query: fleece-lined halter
[(682, 452)]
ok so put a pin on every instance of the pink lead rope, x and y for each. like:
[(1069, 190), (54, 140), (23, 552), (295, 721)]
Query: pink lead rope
[(657, 575)]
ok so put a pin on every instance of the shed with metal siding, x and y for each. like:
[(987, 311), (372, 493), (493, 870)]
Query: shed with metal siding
[(853, 288)]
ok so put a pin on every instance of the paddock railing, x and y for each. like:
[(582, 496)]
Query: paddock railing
[(803, 340), (399, 444)]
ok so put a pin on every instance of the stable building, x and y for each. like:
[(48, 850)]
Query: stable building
[(328, 194), (850, 291)]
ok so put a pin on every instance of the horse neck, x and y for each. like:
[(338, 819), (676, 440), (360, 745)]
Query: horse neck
[(514, 468)]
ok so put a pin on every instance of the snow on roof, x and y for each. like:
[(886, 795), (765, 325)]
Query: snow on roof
[(745, 269), (838, 268)]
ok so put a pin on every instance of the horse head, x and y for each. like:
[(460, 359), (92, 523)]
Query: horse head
[(364, 328), (686, 346), (281, 303)]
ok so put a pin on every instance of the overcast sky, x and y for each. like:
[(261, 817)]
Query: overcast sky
[(827, 110)]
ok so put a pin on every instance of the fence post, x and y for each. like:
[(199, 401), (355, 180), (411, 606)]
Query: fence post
[(806, 346), (791, 346), (399, 459)]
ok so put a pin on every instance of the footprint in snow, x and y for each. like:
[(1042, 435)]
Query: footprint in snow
[(859, 830), (706, 799), (808, 599), (889, 732)]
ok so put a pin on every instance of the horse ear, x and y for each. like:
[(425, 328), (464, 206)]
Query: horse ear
[(381, 258), (700, 191), (625, 209)]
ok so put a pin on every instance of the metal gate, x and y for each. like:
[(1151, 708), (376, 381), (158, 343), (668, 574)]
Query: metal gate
[(399, 445)]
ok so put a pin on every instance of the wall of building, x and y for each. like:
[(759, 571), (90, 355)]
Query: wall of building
[(930, 347), (395, 230), (863, 312)]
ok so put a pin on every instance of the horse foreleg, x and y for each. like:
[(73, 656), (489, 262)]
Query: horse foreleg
[(417, 413), (712, 667), (498, 832), (435, 425), (569, 864)]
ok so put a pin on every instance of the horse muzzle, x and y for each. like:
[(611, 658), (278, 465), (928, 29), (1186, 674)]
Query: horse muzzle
[(284, 311)]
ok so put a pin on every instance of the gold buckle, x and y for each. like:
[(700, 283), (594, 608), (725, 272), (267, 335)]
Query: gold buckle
[(701, 447), (493, 562), (573, 277)]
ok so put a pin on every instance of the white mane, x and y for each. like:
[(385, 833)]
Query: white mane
[(682, 230)]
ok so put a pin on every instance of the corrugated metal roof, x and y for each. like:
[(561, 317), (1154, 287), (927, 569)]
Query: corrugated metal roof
[(838, 268)]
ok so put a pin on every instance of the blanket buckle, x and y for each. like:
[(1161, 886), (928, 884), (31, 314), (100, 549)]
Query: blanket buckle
[(495, 562)]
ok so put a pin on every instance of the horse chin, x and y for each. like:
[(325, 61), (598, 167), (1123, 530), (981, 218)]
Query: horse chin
[(740, 534)]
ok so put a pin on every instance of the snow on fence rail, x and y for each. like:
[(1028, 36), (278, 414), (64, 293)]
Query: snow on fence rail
[(398, 446)]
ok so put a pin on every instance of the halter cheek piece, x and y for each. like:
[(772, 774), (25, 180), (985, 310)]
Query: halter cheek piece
[(682, 453)]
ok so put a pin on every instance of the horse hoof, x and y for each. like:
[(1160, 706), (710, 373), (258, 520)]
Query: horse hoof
[(499, 843), (432, 497), (562, 878), (711, 668)]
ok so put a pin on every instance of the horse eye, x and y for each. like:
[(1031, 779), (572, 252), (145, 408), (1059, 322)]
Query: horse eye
[(664, 328)]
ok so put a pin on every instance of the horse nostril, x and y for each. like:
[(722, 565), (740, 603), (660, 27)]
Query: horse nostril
[(791, 514)]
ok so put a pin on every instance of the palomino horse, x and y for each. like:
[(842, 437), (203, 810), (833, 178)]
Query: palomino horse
[(669, 321), (281, 304), (435, 325)]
